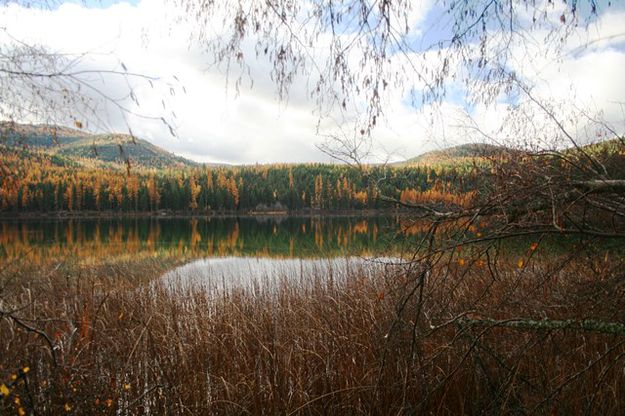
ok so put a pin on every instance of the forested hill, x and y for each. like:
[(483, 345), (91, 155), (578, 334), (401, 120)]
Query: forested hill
[(38, 182), (40, 177), (472, 152), (74, 146)]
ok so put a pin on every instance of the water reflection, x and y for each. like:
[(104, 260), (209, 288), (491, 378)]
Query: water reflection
[(221, 275), (97, 239)]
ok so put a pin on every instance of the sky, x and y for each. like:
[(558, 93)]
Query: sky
[(216, 122)]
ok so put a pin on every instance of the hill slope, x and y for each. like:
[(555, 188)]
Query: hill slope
[(86, 148), (456, 154)]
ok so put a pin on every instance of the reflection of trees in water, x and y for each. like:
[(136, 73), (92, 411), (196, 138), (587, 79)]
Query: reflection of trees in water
[(110, 239), (93, 239)]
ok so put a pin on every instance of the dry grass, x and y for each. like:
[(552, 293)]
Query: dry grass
[(316, 345)]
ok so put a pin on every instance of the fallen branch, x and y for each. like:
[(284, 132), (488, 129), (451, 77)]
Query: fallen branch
[(613, 328), (601, 186)]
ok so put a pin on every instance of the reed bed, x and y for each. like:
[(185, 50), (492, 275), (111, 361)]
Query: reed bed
[(116, 340)]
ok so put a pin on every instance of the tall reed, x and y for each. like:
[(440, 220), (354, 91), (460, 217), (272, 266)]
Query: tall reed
[(126, 343)]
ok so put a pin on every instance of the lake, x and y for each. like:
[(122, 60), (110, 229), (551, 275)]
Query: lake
[(217, 254), (229, 247), (97, 240), (94, 241)]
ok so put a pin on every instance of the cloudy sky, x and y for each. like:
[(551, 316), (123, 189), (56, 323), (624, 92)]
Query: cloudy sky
[(215, 122)]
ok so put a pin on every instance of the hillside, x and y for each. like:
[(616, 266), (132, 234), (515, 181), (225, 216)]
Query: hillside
[(456, 154), (93, 149)]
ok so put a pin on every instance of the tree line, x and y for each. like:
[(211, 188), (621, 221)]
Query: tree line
[(38, 184)]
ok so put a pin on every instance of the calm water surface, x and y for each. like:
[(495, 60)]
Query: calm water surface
[(222, 274), (220, 251), (215, 250)]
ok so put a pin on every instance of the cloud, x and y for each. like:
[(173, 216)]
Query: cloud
[(217, 123), (214, 122)]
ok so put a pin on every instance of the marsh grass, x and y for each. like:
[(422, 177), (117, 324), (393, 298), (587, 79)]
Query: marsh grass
[(125, 343)]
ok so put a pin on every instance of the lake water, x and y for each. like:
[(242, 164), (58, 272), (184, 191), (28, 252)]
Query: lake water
[(214, 237), (223, 274), (218, 253)]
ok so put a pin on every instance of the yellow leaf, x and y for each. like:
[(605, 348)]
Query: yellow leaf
[(520, 263), (461, 262), (4, 390), (126, 386), (21, 411), (25, 370), (67, 407)]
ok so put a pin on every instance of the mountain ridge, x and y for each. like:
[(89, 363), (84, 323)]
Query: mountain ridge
[(90, 148)]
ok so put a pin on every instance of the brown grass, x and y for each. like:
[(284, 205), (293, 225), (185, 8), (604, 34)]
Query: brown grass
[(125, 344)]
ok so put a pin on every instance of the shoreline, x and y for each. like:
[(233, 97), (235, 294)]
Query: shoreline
[(166, 214)]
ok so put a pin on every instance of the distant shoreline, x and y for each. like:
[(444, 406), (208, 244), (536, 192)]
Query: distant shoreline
[(167, 214)]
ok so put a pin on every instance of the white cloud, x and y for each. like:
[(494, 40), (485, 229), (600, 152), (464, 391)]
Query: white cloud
[(214, 124)]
